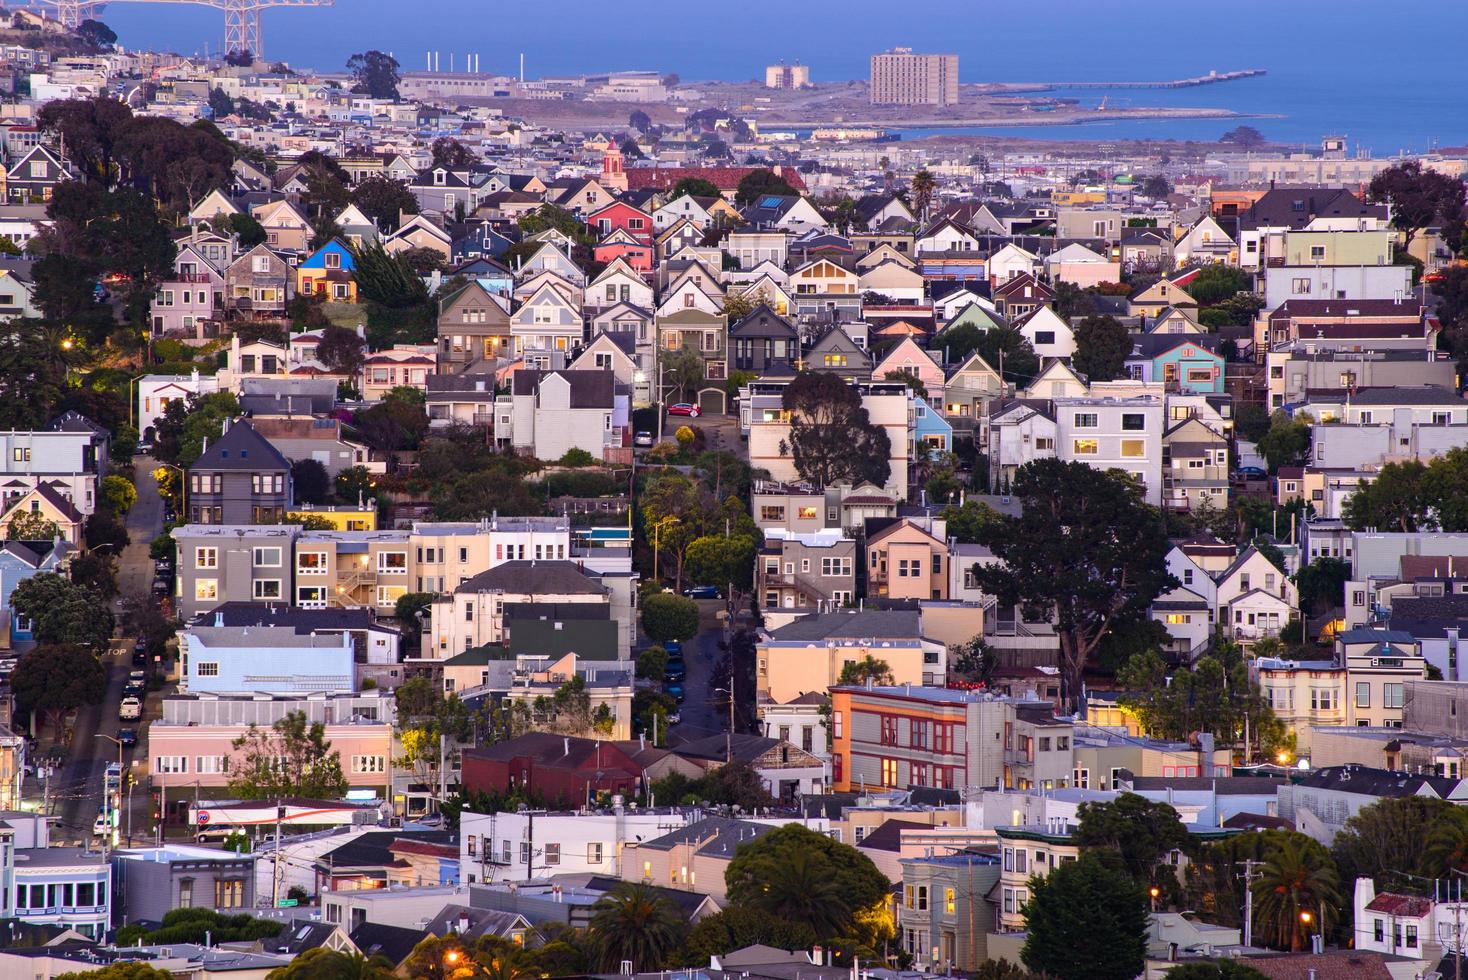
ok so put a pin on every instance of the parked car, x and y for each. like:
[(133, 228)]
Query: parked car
[(1251, 473), (101, 826), (145, 448), (128, 737), (683, 408), (675, 717), (675, 690), (140, 655), (676, 670), (130, 709), (674, 648), (642, 439), (702, 592)]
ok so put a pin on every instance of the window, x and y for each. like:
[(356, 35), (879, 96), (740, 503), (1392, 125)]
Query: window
[(1133, 422), (950, 902), (311, 596), (206, 557), (1086, 447), (229, 893), (1082, 778), (889, 772), (1363, 694), (594, 852), (1133, 447), (1322, 699), (889, 730), (310, 563), (368, 764), (392, 563), (206, 589), (266, 557), (185, 893), (267, 588), (1391, 695), (769, 513), (22, 455), (207, 668), (171, 764), (1084, 420), (1300, 286), (553, 854)]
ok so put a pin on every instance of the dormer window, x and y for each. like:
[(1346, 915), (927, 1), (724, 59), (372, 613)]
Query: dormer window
[(439, 177)]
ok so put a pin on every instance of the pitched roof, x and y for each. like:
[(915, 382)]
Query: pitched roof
[(870, 623), (549, 750), (1335, 965), (589, 388), (1291, 207), (763, 322), (665, 178), (241, 447), (394, 942), (533, 577)]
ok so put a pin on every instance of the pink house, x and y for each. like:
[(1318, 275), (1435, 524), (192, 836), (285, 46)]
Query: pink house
[(190, 298), (911, 360), (187, 760)]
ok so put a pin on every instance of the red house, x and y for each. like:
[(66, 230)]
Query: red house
[(621, 216), (558, 769), (621, 244)]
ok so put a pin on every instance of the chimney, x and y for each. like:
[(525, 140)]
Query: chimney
[(218, 618), (566, 742), (817, 956), (463, 923)]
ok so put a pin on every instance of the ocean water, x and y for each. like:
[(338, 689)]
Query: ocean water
[(1389, 78)]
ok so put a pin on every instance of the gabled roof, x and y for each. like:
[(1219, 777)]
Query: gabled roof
[(241, 447), (534, 577), (396, 943), (763, 322), (1296, 207)]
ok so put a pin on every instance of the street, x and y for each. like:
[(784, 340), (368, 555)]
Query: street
[(703, 713), (76, 786)]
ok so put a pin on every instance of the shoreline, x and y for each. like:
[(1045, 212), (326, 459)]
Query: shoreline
[(1026, 119)]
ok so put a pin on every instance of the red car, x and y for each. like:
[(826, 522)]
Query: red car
[(683, 408)]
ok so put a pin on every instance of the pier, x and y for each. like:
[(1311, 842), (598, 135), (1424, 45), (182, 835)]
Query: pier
[(1212, 78)]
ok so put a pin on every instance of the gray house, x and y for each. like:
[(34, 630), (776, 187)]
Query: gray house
[(764, 342), (240, 479), (220, 563), (69, 456), (154, 880)]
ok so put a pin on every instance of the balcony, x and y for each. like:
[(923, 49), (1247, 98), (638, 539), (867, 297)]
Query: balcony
[(192, 277)]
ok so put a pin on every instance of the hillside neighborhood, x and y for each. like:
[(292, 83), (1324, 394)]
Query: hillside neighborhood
[(439, 543)]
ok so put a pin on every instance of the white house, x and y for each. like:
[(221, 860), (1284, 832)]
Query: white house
[(1114, 433), (1255, 598), (510, 846), (552, 412), (1048, 334), (1188, 611), (1010, 261), (156, 391)]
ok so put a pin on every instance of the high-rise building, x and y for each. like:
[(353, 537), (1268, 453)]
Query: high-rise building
[(787, 76), (900, 77)]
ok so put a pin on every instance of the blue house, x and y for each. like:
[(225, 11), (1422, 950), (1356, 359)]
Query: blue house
[(1185, 362), (20, 560), (930, 430), (266, 660), (328, 272)]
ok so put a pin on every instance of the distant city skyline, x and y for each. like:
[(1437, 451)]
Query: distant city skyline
[(1349, 78)]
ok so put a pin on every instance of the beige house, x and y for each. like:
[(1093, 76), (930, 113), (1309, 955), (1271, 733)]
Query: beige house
[(1195, 467), (1158, 297), (285, 226), (907, 561), (809, 654), (1303, 694), (692, 858), (473, 328), (352, 569)]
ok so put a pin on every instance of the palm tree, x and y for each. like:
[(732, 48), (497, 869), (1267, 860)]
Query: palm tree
[(923, 186), (1298, 880), (633, 922), (1446, 851), (803, 890), (328, 964)]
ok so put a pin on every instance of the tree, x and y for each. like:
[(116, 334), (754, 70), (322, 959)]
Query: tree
[(1296, 878), (53, 679), (1085, 921), (1217, 283), (1102, 347), (341, 350), (866, 669), (220, 104), (803, 876), (119, 970), (1085, 550), (200, 925), (62, 612), (1156, 187), (374, 73), (311, 481), (240, 59), (652, 664), (450, 154), (669, 617), (737, 927), (759, 183), (96, 35), (924, 184), (832, 439), (1287, 440), (249, 230), (31, 525), (117, 494), (384, 200), (1139, 831), (693, 187), (718, 560), (1395, 500), (1215, 970), (89, 128), (633, 922), (1419, 197), (1007, 351), (323, 963), (1245, 136), (1322, 584), (1387, 841), (1445, 854), (737, 307), (291, 758), (387, 279), (640, 121)]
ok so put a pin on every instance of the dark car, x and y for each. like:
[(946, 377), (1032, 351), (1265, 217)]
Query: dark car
[(674, 648), (1251, 473), (140, 656), (675, 690), (128, 737), (676, 670), (702, 592)]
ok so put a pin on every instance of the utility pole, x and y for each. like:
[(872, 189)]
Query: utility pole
[(1248, 877), (275, 871)]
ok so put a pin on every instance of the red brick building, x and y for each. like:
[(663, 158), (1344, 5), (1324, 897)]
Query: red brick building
[(560, 770)]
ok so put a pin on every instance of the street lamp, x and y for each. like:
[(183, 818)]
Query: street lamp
[(1154, 891), (728, 739), (656, 529)]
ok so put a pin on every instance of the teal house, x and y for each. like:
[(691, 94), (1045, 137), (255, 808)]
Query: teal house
[(1184, 362)]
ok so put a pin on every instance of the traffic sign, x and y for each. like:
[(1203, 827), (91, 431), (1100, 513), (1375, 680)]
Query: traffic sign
[(287, 903)]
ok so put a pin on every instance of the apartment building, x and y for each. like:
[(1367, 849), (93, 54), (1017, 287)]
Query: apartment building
[(511, 846), (69, 456), (1114, 433), (1378, 663), (239, 479), (907, 558), (352, 569), (1195, 467), (946, 909), (474, 613), (931, 736), (219, 563), (269, 659), (190, 746), (551, 413), (900, 77), (1300, 371), (808, 654), (810, 570), (1303, 694), (1028, 851)]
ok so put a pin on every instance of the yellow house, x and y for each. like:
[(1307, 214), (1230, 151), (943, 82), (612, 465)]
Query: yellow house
[(41, 503), (341, 518), (808, 654), (1072, 198)]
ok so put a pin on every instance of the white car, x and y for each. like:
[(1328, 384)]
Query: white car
[(101, 827), (129, 709)]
